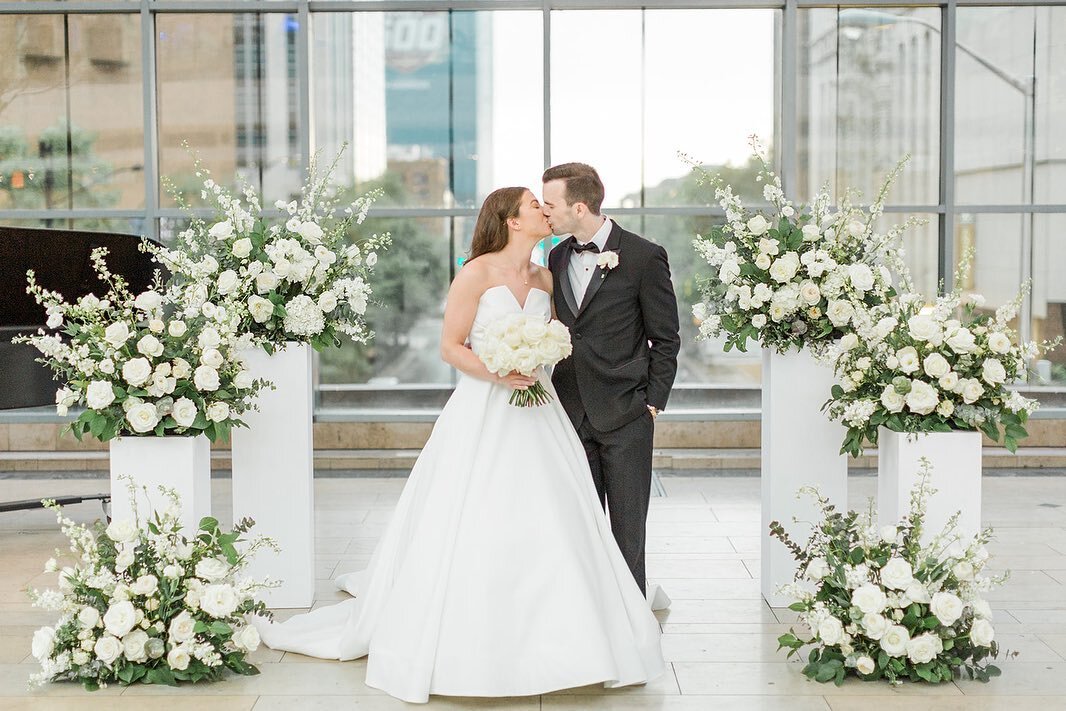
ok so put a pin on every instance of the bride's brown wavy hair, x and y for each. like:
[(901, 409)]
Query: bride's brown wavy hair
[(490, 231)]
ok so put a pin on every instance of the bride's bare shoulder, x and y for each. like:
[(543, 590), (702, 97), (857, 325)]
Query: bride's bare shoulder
[(473, 278)]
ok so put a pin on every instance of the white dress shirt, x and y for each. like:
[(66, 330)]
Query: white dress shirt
[(583, 264)]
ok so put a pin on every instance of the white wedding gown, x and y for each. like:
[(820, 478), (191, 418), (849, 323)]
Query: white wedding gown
[(498, 574)]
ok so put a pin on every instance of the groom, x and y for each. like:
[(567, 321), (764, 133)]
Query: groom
[(613, 291)]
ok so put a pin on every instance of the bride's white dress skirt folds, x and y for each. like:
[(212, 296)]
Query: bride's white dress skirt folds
[(498, 574)]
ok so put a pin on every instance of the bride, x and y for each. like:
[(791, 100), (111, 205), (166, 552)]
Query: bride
[(498, 574)]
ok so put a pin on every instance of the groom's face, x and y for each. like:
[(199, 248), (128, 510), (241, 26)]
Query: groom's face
[(559, 214)]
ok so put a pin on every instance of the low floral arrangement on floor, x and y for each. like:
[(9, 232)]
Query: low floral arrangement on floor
[(795, 277), (916, 368), (299, 279), (886, 606), (136, 368), (520, 343), (148, 604)]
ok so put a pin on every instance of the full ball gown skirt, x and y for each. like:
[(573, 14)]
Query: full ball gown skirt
[(498, 574)]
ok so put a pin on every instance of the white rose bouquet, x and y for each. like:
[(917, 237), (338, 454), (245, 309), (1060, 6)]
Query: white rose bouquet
[(793, 278), (299, 279), (883, 606), (136, 368), (522, 344), (149, 605), (915, 368)]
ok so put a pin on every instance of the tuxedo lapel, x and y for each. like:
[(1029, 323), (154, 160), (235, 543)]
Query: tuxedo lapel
[(563, 267), (613, 241)]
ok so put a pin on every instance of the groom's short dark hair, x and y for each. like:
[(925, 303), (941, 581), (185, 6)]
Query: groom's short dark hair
[(583, 184)]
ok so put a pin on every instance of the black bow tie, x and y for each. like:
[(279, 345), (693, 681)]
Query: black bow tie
[(576, 246)]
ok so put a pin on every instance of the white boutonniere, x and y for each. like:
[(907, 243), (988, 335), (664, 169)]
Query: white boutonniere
[(608, 261)]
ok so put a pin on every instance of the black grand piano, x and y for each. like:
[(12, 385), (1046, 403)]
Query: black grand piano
[(61, 260)]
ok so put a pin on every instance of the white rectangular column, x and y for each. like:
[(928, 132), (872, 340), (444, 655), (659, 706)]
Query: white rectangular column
[(181, 463), (800, 447), (955, 460), (273, 473)]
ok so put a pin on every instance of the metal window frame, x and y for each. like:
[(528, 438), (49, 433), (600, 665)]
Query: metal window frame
[(786, 94)]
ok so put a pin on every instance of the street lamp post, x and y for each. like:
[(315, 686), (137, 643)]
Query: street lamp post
[(861, 18)]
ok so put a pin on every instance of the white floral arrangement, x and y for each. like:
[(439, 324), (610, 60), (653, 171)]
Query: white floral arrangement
[(795, 277), (146, 604), (136, 368), (878, 604), (298, 279), (910, 367), (522, 344)]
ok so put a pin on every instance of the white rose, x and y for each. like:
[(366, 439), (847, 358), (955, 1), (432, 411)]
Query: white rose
[(242, 248), (217, 411), (925, 328), (728, 272), (218, 600), (875, 625), (137, 371), (145, 585), (107, 649), (758, 225), (261, 309), (908, 360), (916, 592), (122, 530), (228, 281), (206, 378), (133, 646), (150, 346), (173, 571), (107, 366), (243, 380), (924, 648), (923, 398), (945, 408), (992, 372), (80, 657), (810, 293), (44, 642), (961, 340), (246, 638), (869, 598), (758, 320), (184, 412), (811, 233), (839, 312), (998, 342), (982, 633), (209, 338), (963, 570), (177, 329), (971, 390), (371, 259), (327, 301), (212, 358), (182, 627), (897, 574), (849, 341), (89, 617), (895, 640), (861, 276), (856, 228), (120, 618), (936, 365), (156, 325), (117, 334), (99, 395), (310, 232), (865, 665), (949, 381), (143, 417), (123, 560), (947, 607), (221, 230), (762, 261), (830, 631), (212, 569), (148, 301), (178, 659), (265, 281), (784, 267), (816, 569)]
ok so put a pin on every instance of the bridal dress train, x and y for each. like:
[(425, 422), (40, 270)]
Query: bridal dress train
[(498, 574)]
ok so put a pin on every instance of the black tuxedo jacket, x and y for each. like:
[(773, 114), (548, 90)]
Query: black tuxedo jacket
[(624, 332)]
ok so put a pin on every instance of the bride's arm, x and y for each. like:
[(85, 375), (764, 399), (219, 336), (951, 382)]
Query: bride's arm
[(459, 312)]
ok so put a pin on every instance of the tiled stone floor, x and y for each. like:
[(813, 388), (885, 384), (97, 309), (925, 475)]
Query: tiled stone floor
[(703, 547)]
